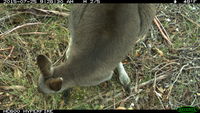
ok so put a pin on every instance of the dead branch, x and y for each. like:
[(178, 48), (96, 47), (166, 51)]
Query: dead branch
[(11, 51), (124, 100), (196, 67), (156, 93), (164, 31), (157, 68), (139, 86), (158, 24), (18, 27), (198, 25), (34, 33), (15, 87), (2, 56), (4, 49), (152, 80), (176, 78), (8, 17), (120, 93), (42, 12)]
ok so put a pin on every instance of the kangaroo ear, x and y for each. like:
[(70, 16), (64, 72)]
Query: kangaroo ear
[(55, 83), (45, 65)]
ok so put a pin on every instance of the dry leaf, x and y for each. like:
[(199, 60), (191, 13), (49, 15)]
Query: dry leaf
[(62, 103), (17, 73), (120, 108), (130, 108), (137, 53), (159, 52), (160, 89)]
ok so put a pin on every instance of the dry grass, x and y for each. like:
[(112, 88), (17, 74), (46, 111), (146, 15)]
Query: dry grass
[(23, 36)]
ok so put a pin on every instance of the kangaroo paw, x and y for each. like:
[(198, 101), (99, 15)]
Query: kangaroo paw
[(66, 95)]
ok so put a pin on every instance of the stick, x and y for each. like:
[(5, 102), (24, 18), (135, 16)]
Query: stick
[(162, 27), (42, 12), (8, 17), (18, 27), (152, 80), (34, 33), (198, 25), (9, 54), (176, 79), (17, 87), (4, 49), (161, 31)]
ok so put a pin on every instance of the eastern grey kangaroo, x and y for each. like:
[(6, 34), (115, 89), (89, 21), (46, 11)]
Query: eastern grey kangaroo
[(101, 36)]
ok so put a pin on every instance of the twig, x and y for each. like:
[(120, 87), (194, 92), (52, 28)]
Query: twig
[(152, 80), (42, 12), (34, 33), (17, 87), (157, 94), (194, 101), (9, 54), (4, 49), (167, 71), (120, 92), (161, 31), (197, 67), (2, 56), (179, 73), (136, 82), (198, 25), (114, 101), (164, 31), (122, 101), (8, 17), (139, 86), (176, 79), (18, 27), (156, 68)]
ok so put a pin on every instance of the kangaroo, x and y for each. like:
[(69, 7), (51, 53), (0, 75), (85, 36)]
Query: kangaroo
[(101, 35)]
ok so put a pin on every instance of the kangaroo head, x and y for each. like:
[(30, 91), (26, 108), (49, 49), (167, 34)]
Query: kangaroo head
[(48, 82)]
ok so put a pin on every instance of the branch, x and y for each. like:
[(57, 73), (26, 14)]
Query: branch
[(8, 17), (11, 51), (15, 87), (18, 27), (198, 25), (162, 30), (42, 12)]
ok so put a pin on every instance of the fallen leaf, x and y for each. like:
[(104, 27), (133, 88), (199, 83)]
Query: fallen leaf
[(17, 73), (159, 52), (120, 108), (137, 53), (160, 89)]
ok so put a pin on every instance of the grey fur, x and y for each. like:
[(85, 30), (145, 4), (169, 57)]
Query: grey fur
[(102, 34)]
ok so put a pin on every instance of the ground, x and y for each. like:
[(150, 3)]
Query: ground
[(164, 74)]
